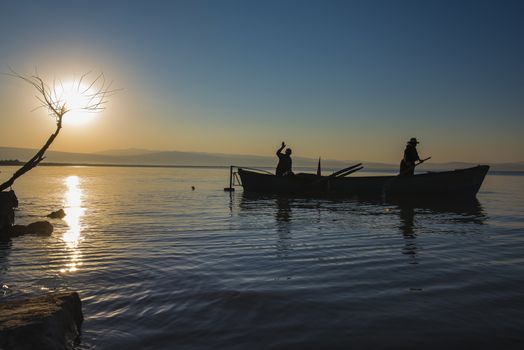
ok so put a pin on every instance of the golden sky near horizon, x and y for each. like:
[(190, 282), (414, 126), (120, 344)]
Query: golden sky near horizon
[(129, 122)]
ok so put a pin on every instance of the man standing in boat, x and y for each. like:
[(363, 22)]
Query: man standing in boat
[(284, 161), (407, 165)]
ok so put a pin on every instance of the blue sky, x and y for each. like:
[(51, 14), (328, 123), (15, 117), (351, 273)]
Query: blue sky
[(341, 79)]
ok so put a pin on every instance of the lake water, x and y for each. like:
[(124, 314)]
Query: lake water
[(161, 266)]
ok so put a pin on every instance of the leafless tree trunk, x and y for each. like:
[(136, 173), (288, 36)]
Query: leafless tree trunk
[(57, 107)]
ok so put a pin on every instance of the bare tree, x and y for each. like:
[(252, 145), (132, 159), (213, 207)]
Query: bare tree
[(95, 92)]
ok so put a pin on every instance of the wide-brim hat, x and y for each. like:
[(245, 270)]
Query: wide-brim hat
[(413, 141)]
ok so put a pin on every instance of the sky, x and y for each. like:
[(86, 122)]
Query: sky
[(337, 79)]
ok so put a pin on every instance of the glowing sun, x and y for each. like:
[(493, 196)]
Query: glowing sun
[(77, 96)]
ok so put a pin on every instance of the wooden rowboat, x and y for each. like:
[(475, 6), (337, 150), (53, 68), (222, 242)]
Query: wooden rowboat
[(457, 183)]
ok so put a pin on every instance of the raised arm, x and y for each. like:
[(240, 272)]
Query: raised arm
[(279, 151)]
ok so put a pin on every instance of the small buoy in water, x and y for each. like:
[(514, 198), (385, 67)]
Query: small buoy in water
[(192, 188)]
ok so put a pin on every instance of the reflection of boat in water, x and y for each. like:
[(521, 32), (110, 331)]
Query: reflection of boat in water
[(449, 184), (290, 215), (462, 211), (467, 207), (466, 211)]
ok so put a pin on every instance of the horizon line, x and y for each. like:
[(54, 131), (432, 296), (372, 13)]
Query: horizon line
[(114, 165)]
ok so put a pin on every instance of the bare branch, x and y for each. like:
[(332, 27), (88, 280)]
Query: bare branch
[(57, 106)]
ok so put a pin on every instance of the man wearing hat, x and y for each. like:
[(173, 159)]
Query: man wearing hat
[(407, 165)]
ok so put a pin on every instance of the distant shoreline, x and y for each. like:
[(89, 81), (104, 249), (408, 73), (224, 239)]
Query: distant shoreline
[(182, 166), (122, 165), (11, 162)]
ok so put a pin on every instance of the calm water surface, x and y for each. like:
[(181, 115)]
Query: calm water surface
[(160, 266)]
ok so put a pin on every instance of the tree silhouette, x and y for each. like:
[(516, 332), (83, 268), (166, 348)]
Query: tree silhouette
[(95, 93)]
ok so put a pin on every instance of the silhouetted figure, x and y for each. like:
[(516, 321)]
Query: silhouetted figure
[(407, 165), (284, 161)]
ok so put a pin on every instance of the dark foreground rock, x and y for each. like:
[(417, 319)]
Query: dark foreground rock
[(42, 228), (51, 322), (8, 201)]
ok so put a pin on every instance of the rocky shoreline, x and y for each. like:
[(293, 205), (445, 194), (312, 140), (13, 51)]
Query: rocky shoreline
[(48, 322)]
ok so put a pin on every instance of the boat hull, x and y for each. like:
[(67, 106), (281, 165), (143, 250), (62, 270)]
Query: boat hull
[(456, 183)]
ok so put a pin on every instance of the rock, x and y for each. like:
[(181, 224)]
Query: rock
[(41, 228), (50, 322), (15, 231), (59, 214), (8, 201)]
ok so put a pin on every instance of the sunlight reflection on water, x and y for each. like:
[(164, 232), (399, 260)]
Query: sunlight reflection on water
[(74, 212)]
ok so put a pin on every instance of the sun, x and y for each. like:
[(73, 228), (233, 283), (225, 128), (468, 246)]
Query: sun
[(76, 96)]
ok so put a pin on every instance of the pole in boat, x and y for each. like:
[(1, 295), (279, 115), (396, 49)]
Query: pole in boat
[(319, 171), (230, 188)]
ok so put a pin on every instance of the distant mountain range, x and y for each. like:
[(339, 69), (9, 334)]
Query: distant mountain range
[(144, 157)]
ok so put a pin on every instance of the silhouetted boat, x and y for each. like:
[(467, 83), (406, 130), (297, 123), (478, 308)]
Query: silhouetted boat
[(456, 183)]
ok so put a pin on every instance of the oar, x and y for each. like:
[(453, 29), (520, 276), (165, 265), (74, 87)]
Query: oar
[(422, 161), (350, 171), (414, 166), (336, 173)]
